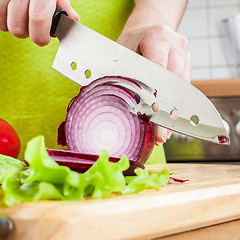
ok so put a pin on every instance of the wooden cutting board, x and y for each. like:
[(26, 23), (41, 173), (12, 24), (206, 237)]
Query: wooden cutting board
[(212, 195)]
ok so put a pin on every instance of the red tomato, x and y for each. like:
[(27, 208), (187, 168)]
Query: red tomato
[(9, 140)]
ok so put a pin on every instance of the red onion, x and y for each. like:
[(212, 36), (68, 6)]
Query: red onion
[(81, 162), (99, 118)]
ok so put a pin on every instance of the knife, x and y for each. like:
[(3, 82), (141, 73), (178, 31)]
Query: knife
[(85, 55)]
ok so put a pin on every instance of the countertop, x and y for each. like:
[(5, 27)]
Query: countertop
[(225, 231)]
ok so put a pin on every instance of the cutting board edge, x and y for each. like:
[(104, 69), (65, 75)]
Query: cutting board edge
[(151, 214), (97, 220)]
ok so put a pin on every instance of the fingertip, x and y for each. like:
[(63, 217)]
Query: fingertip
[(66, 6), (75, 15), (169, 134), (159, 143), (162, 135), (18, 31), (3, 28), (41, 42)]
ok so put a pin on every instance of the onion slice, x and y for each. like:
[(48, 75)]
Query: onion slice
[(99, 118), (81, 162)]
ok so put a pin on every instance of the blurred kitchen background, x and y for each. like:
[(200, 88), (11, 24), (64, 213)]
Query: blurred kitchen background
[(213, 30), (208, 45)]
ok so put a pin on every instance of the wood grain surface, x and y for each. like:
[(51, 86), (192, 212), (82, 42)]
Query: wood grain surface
[(211, 196), (219, 87), (224, 231)]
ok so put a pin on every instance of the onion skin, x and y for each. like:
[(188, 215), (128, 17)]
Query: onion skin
[(148, 144), (115, 96)]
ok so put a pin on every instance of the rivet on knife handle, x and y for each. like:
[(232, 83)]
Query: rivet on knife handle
[(55, 20)]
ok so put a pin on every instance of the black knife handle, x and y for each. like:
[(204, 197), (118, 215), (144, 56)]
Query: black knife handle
[(6, 227), (55, 20)]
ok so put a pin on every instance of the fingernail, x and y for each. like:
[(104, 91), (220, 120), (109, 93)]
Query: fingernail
[(164, 134), (164, 139), (169, 134)]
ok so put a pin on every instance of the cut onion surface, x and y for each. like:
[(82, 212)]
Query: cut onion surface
[(99, 119)]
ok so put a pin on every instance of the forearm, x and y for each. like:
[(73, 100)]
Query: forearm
[(154, 12)]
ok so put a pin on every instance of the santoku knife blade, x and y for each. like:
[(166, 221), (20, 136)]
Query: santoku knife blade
[(83, 51)]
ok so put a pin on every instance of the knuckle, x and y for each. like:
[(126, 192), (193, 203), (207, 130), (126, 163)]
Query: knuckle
[(160, 30), (37, 18), (183, 42), (161, 33)]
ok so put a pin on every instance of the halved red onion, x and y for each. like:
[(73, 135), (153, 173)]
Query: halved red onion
[(99, 118)]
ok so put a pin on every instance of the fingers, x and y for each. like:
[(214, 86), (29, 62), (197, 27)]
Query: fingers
[(32, 18), (153, 47), (179, 61), (17, 18), (3, 15), (188, 67), (66, 6), (176, 61), (40, 19), (162, 135), (161, 45), (169, 49)]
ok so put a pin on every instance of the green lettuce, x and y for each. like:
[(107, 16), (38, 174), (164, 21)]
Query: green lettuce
[(146, 180), (45, 179), (8, 163)]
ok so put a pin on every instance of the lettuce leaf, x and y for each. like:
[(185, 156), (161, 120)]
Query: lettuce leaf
[(45, 179), (16, 192), (146, 180), (106, 177), (8, 163)]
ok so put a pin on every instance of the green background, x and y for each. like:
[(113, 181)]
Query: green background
[(33, 96)]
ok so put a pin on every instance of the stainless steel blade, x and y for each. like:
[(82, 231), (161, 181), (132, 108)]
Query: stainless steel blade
[(187, 123), (90, 51)]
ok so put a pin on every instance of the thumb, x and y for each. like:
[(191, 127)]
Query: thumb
[(66, 6)]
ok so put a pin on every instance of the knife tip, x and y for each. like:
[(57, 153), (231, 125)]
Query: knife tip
[(223, 140)]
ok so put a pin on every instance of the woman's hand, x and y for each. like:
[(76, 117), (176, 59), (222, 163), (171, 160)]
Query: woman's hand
[(164, 46), (32, 18)]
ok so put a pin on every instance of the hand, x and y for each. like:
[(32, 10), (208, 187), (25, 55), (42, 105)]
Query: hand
[(162, 45), (31, 18)]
